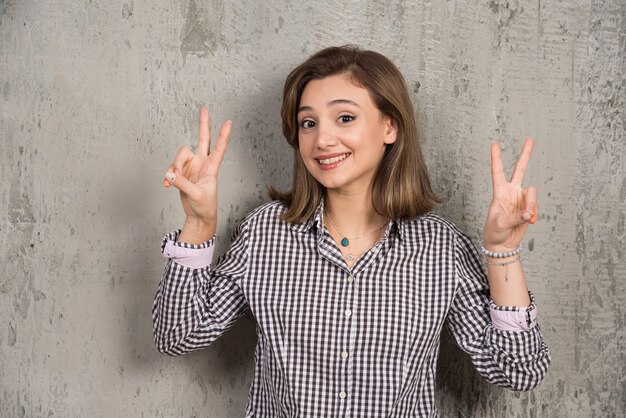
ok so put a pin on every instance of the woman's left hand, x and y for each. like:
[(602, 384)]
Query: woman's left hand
[(512, 207)]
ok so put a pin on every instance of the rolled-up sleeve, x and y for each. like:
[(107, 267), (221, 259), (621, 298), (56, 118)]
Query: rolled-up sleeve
[(195, 303), (504, 343), (514, 318)]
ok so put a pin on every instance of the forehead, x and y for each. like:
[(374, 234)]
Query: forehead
[(336, 87)]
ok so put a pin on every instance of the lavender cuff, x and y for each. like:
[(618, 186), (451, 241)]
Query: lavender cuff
[(194, 256), (514, 318)]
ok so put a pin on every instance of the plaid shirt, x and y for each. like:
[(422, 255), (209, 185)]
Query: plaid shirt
[(341, 342)]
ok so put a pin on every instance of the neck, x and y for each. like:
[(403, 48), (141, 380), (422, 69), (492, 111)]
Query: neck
[(353, 214)]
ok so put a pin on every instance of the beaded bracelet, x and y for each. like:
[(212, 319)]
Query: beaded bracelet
[(501, 255)]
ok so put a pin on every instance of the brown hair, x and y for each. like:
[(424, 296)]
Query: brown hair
[(401, 186)]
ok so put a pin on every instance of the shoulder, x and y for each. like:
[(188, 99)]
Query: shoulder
[(439, 234), (266, 214), (431, 226), (431, 221)]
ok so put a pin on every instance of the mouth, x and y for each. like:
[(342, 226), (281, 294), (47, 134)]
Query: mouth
[(333, 160)]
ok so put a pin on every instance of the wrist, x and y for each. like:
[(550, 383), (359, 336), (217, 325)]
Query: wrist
[(497, 248), (195, 231)]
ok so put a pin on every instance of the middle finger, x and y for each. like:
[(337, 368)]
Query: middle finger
[(522, 162)]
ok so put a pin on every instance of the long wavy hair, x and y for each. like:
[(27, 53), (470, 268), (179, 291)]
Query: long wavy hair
[(401, 187)]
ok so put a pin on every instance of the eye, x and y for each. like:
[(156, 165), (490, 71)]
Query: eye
[(307, 124), (345, 118)]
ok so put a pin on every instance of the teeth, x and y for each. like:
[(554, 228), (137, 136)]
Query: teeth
[(333, 159)]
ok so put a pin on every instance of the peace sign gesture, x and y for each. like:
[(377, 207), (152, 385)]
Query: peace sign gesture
[(512, 207), (195, 176)]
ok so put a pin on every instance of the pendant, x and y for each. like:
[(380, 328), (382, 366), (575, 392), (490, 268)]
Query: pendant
[(345, 242)]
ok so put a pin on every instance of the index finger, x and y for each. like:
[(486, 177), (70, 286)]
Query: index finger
[(204, 134), (497, 169), (522, 162)]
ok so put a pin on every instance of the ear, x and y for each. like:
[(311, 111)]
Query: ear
[(391, 130)]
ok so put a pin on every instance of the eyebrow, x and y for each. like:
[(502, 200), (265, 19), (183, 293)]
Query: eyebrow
[(331, 103)]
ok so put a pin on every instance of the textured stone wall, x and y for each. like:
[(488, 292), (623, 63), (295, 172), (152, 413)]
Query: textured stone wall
[(97, 96)]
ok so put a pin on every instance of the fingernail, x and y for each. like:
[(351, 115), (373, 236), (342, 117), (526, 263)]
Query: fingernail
[(171, 177), (166, 183), (526, 215)]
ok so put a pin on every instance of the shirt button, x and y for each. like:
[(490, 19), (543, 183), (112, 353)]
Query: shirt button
[(344, 355), (348, 313), (342, 395), (350, 278)]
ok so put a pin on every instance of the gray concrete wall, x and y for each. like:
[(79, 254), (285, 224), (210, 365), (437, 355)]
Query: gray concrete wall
[(96, 97)]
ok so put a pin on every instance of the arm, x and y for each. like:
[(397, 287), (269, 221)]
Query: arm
[(494, 319), (196, 304), (510, 355)]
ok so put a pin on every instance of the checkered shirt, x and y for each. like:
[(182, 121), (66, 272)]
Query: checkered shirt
[(341, 342)]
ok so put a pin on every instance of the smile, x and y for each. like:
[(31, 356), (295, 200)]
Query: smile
[(332, 160)]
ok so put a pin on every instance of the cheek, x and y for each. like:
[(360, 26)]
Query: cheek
[(305, 156), (306, 147), (302, 145), (302, 150)]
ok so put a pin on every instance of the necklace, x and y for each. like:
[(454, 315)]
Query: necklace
[(345, 241)]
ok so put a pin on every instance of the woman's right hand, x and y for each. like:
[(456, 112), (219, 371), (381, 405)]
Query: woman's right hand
[(195, 176)]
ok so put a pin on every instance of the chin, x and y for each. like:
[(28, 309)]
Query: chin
[(329, 184)]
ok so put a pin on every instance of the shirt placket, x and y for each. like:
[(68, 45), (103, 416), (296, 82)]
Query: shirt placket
[(343, 321), (347, 311), (347, 343), (349, 329)]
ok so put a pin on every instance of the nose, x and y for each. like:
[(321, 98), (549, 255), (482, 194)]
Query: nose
[(325, 137)]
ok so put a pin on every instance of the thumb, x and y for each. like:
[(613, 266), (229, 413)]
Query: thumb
[(183, 184)]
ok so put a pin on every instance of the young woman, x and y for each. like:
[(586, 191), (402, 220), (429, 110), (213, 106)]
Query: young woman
[(349, 276)]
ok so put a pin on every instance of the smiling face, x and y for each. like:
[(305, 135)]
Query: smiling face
[(342, 134)]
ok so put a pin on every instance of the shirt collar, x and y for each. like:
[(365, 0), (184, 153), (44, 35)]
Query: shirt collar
[(317, 220), (401, 228)]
